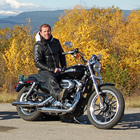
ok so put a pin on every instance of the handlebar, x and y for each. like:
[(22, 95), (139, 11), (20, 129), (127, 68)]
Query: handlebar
[(72, 51), (75, 51)]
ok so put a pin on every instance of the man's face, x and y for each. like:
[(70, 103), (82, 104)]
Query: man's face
[(46, 32)]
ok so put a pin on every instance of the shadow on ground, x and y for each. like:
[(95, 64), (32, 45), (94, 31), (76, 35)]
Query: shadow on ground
[(129, 121), (5, 115)]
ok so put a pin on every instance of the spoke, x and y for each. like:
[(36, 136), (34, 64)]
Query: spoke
[(102, 116), (111, 99), (112, 112), (97, 105), (105, 117), (96, 110), (99, 113), (113, 102), (109, 116)]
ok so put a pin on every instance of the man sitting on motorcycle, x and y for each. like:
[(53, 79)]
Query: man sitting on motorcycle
[(47, 53)]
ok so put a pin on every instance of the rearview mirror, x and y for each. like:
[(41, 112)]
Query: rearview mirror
[(68, 44)]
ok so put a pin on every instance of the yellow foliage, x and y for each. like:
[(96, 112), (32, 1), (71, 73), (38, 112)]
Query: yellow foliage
[(129, 40), (93, 31), (18, 56), (103, 31)]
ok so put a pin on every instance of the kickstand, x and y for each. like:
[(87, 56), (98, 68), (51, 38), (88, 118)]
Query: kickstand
[(76, 120)]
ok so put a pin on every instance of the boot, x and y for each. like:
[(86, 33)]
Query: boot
[(62, 94)]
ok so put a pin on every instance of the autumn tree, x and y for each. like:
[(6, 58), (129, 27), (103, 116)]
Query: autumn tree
[(4, 43), (103, 31), (94, 31), (128, 40), (18, 57)]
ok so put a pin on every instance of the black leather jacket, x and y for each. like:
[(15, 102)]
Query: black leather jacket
[(48, 54)]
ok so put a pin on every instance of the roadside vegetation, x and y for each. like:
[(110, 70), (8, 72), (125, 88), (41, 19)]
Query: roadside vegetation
[(100, 31), (130, 102)]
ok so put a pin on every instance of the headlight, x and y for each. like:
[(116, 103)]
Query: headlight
[(93, 59), (97, 67)]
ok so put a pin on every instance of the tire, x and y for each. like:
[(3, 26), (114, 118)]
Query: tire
[(112, 111), (27, 113)]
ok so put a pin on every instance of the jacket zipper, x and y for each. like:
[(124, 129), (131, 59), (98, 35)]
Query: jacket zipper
[(52, 55)]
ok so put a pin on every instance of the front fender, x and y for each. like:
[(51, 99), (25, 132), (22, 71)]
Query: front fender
[(102, 85), (106, 84)]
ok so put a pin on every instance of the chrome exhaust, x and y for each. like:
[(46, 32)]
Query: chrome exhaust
[(59, 111), (48, 109), (31, 104)]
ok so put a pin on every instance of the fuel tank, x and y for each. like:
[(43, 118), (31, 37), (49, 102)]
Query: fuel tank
[(74, 72)]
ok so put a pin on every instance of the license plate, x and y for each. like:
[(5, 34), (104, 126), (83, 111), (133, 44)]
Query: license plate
[(22, 77)]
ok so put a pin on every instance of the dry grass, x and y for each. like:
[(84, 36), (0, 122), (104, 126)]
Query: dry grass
[(8, 97), (130, 102)]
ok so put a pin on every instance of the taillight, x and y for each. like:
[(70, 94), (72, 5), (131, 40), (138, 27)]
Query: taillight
[(29, 81), (15, 86)]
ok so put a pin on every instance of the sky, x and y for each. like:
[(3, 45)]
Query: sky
[(14, 7)]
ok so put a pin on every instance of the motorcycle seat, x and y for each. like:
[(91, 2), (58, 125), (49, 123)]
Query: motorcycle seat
[(37, 77)]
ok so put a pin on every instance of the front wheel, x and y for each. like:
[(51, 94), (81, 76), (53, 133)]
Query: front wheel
[(27, 113), (112, 112)]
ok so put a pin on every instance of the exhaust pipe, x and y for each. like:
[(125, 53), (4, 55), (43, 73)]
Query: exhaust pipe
[(47, 109), (31, 104), (59, 111)]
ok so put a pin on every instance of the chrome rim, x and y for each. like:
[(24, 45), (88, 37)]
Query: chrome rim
[(26, 110), (110, 110)]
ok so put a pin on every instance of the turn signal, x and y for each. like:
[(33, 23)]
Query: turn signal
[(15, 86)]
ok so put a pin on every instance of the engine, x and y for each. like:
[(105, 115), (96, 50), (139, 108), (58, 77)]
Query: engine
[(71, 87), (67, 84)]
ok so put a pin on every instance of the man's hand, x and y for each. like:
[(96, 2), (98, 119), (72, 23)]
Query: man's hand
[(56, 70)]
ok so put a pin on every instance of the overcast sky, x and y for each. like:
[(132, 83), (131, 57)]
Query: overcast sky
[(13, 7)]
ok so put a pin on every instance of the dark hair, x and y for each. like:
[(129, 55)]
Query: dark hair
[(45, 25)]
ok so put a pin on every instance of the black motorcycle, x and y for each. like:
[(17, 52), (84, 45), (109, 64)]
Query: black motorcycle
[(85, 91)]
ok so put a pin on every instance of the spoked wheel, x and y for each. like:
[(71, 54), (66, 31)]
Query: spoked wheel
[(113, 110), (27, 113)]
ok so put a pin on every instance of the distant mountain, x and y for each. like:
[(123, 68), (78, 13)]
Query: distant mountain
[(1, 16), (126, 12), (37, 18)]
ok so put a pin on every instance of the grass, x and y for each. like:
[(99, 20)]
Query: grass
[(130, 102), (133, 101), (8, 97)]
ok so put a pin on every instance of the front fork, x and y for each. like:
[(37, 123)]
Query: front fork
[(96, 86)]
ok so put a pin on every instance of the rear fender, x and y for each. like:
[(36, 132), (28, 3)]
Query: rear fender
[(19, 87), (27, 82)]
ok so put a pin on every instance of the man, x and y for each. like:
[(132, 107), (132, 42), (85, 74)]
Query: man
[(47, 53)]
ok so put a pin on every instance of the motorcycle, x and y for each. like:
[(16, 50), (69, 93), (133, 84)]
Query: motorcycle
[(85, 92)]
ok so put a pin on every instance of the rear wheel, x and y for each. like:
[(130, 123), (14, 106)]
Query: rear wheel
[(27, 113), (113, 110)]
